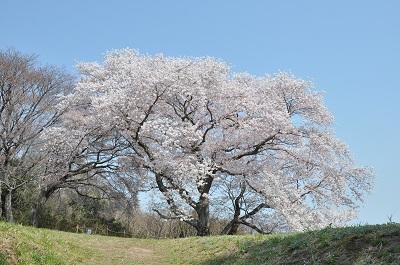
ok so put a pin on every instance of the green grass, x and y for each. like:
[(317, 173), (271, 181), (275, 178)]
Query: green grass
[(359, 245)]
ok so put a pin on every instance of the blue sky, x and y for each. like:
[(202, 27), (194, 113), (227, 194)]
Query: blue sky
[(350, 49)]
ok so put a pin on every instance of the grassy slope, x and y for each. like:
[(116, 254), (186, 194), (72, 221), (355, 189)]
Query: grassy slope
[(353, 245)]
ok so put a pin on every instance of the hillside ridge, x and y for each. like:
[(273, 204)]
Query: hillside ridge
[(359, 245)]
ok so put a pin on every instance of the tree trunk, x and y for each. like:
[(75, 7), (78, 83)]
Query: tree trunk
[(34, 216), (37, 207), (233, 228), (203, 207), (36, 211), (1, 203), (8, 208), (203, 213)]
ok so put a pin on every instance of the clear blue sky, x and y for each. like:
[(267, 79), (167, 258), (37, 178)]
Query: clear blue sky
[(350, 49)]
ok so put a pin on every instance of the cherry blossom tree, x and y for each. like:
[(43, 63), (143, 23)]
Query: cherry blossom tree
[(187, 125)]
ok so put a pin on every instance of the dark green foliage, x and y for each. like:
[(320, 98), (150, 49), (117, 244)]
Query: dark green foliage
[(67, 210)]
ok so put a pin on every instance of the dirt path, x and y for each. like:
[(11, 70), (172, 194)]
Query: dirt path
[(119, 251), (6, 251)]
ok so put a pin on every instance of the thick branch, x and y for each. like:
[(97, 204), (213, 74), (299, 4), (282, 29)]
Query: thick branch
[(256, 149)]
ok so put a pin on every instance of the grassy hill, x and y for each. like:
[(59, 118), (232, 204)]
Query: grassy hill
[(378, 244)]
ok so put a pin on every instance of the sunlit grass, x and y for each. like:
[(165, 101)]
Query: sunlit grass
[(378, 244)]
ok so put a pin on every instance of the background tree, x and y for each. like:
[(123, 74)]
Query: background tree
[(186, 123), (85, 155), (28, 96)]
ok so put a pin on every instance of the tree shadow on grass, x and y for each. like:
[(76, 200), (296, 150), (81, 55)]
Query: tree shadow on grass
[(353, 245)]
